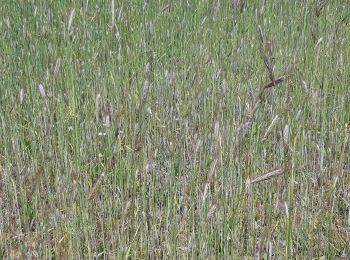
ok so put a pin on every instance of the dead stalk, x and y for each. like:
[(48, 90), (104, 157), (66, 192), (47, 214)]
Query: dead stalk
[(95, 188), (269, 175), (209, 181)]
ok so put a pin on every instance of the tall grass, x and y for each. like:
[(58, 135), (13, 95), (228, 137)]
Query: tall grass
[(181, 129)]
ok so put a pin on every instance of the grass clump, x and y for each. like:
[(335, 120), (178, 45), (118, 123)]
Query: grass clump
[(198, 129)]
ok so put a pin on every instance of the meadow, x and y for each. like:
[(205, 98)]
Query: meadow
[(204, 129)]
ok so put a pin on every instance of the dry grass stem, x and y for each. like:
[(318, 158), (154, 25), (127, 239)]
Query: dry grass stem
[(42, 91), (275, 82), (269, 129), (21, 96), (209, 180), (57, 67), (113, 12), (70, 21), (268, 175), (95, 188)]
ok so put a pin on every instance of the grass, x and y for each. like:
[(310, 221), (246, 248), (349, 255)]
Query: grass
[(152, 135)]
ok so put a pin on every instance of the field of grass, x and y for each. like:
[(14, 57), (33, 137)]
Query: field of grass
[(202, 129)]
